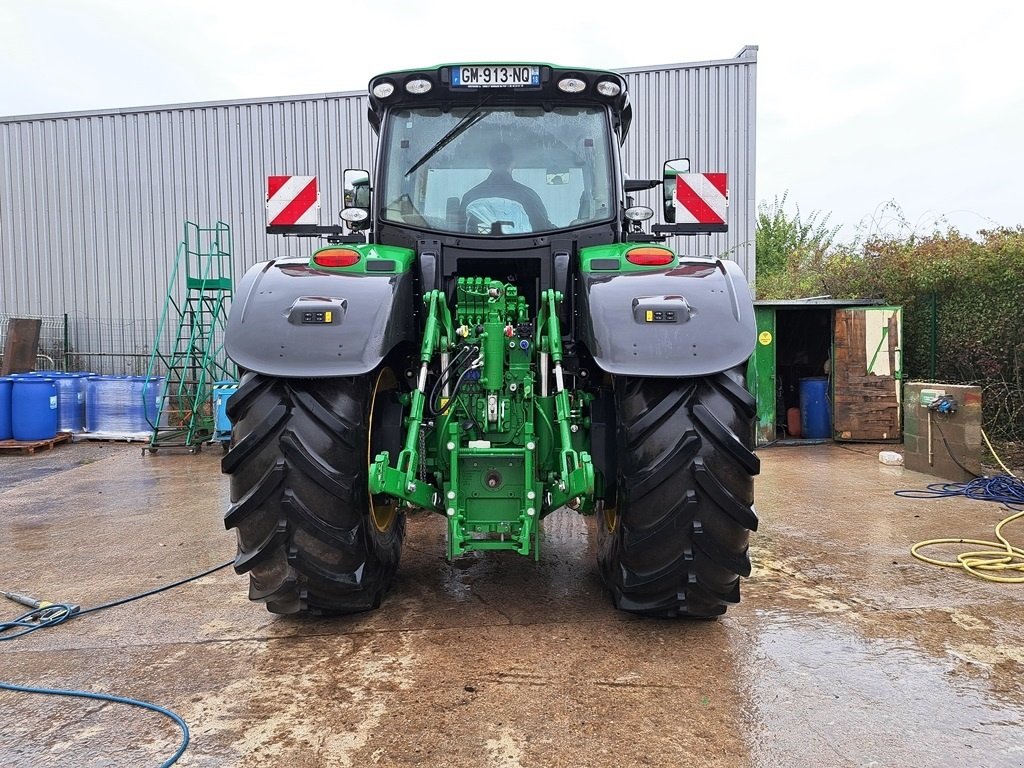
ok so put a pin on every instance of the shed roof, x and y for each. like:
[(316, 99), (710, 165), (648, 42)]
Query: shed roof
[(818, 301)]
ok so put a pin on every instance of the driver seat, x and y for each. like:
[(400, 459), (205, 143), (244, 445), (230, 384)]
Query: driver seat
[(496, 216)]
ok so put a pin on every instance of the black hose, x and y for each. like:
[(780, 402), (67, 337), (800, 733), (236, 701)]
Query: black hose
[(58, 613), (445, 375)]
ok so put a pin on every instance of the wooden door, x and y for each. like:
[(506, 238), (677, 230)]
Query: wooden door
[(867, 371)]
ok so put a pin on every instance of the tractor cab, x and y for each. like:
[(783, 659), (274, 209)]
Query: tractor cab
[(495, 152)]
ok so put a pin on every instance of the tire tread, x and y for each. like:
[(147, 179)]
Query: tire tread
[(680, 544), (300, 503)]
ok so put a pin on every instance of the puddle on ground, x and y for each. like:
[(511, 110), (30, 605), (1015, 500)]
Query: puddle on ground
[(821, 695)]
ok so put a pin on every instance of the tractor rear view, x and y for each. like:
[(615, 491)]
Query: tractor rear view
[(492, 337)]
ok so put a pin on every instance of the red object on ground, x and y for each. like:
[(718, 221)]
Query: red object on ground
[(793, 422)]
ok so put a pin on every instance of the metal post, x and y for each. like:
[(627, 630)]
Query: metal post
[(934, 339), (67, 349)]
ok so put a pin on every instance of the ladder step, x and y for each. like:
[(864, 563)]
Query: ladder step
[(188, 351)]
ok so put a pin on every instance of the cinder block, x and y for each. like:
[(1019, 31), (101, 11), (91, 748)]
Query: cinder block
[(951, 429), (911, 417), (942, 466)]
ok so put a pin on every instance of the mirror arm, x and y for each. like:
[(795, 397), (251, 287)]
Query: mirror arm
[(639, 185)]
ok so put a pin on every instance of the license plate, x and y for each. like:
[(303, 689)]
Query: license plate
[(494, 76)]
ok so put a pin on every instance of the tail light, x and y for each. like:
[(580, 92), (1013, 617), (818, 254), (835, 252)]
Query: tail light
[(336, 257), (650, 257)]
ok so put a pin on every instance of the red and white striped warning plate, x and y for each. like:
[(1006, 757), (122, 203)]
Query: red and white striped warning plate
[(701, 198), (292, 200)]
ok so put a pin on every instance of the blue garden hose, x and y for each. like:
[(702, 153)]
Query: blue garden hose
[(116, 700), (1005, 489), (51, 614)]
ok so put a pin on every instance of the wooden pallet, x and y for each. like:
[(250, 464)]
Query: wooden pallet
[(112, 437), (31, 446)]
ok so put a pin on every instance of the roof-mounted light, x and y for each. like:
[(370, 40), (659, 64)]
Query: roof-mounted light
[(383, 89), (572, 85), (418, 85), (609, 88)]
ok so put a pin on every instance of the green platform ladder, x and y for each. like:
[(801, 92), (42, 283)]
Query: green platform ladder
[(191, 359)]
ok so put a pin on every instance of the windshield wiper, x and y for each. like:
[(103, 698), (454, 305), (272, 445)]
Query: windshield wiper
[(470, 119)]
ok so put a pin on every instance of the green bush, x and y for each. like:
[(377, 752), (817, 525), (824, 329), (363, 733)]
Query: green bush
[(790, 250)]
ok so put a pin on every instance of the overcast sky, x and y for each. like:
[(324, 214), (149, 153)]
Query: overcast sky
[(863, 107)]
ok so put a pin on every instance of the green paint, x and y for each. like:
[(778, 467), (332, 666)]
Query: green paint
[(401, 481), (898, 368), (193, 360), (498, 457), (897, 372), (761, 374), (881, 342)]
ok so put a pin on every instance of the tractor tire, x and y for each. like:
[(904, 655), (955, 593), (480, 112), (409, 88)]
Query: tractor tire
[(309, 535), (673, 542)]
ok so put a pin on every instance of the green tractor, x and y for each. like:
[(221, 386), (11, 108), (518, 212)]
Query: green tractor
[(492, 336)]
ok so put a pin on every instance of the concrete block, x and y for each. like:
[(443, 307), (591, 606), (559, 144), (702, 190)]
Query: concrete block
[(941, 466), (960, 431)]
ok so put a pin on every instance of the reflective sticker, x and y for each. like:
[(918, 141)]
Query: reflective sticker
[(765, 337)]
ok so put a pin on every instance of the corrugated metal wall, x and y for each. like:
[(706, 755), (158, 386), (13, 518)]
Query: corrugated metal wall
[(92, 204), (705, 112)]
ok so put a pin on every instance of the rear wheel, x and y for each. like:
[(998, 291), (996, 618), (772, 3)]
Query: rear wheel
[(674, 542), (309, 535)]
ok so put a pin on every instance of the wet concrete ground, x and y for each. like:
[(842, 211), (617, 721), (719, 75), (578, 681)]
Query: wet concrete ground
[(844, 652)]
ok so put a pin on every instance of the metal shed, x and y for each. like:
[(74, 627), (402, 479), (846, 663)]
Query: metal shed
[(92, 204), (852, 348)]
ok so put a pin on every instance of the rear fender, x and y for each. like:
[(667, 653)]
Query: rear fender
[(693, 319), (291, 320)]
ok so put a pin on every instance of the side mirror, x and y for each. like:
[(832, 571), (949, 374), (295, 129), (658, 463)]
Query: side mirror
[(356, 188), (668, 186)]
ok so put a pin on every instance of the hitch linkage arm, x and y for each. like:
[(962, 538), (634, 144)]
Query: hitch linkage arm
[(401, 481), (577, 470)]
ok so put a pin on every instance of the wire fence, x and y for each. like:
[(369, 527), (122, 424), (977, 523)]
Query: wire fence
[(949, 340), (101, 345), (52, 349), (109, 346)]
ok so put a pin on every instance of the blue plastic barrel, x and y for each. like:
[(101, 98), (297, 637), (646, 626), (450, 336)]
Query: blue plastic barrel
[(146, 391), (123, 405), (6, 384), (222, 392), (106, 404), (34, 408), (815, 409), (136, 407), (70, 401)]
